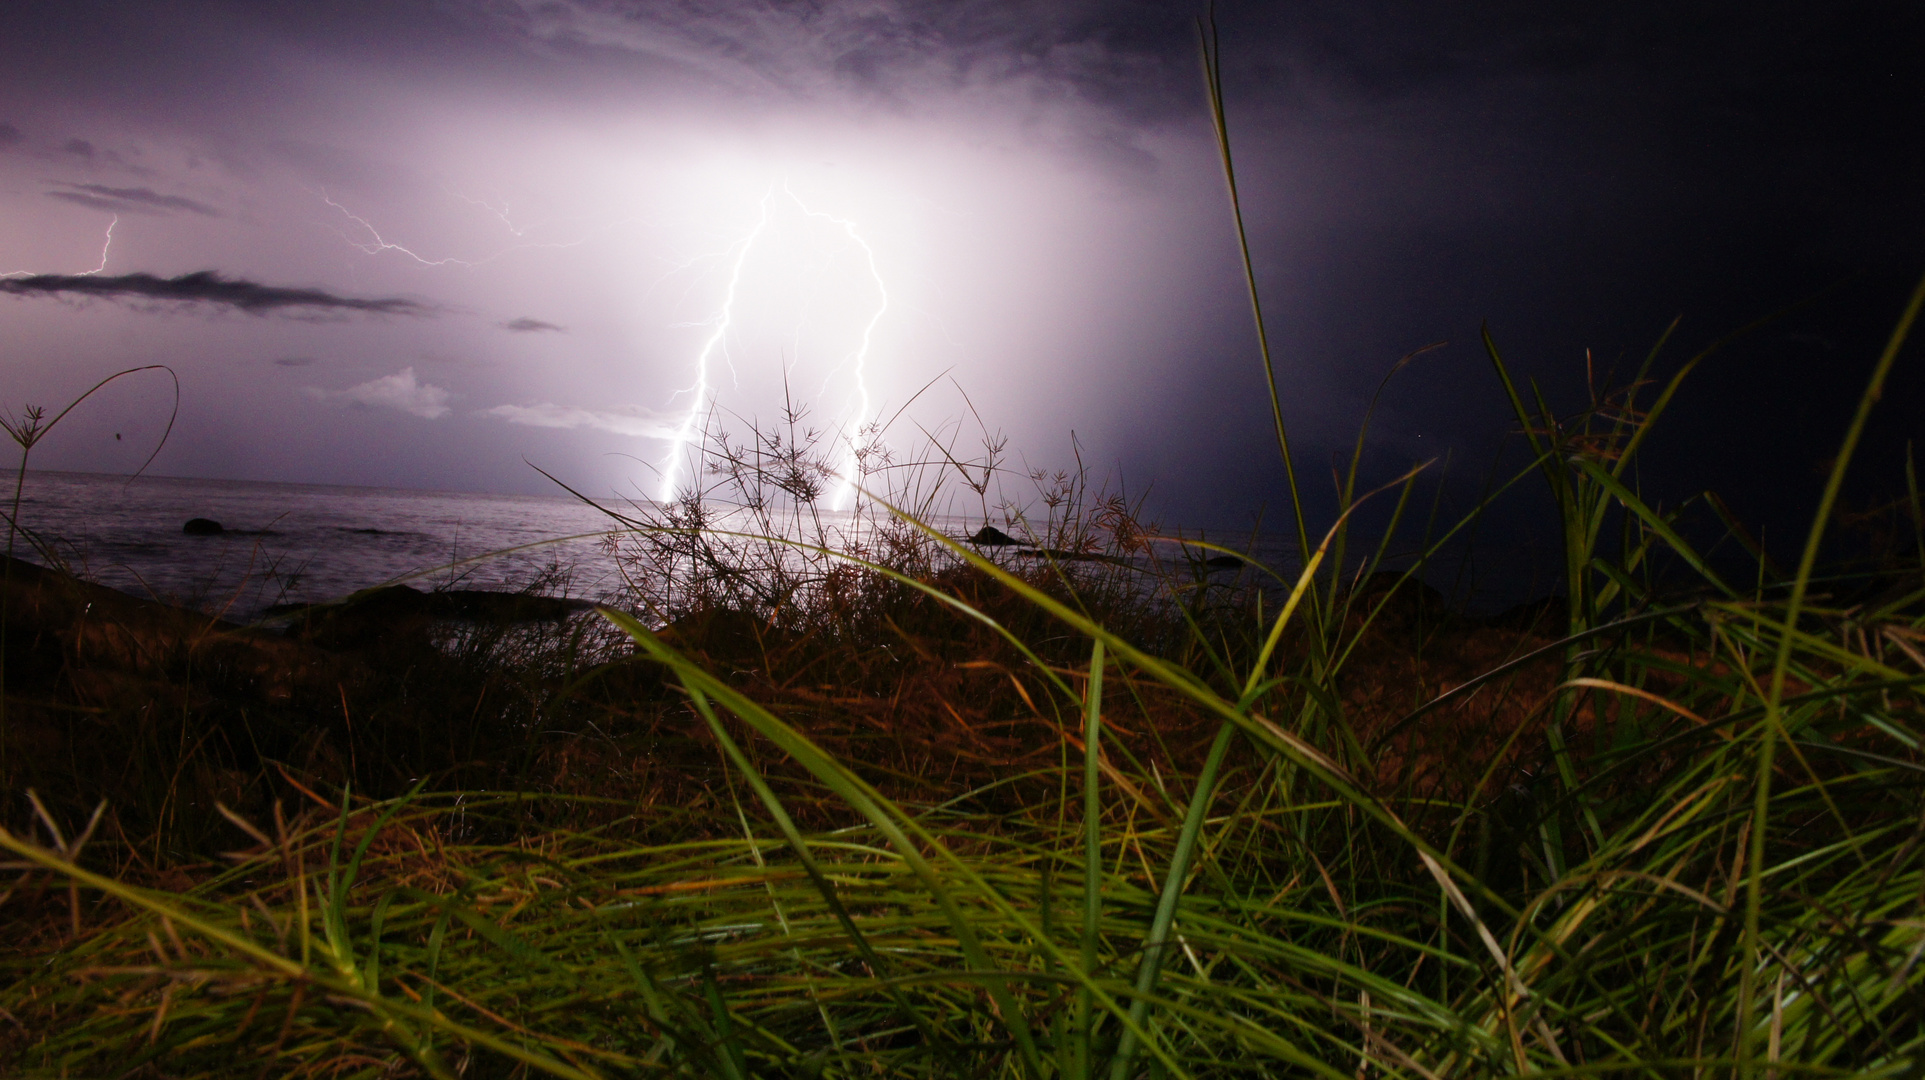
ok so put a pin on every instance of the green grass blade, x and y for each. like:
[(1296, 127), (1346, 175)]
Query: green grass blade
[(1090, 940), (1781, 663)]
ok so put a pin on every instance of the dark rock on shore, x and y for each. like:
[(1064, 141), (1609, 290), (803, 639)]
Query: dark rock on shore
[(1548, 615), (1400, 600), (991, 536), (1058, 555), (164, 710), (62, 631), (400, 610), (726, 635), (726, 640), (468, 604)]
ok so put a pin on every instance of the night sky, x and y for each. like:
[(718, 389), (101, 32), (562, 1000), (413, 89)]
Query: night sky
[(447, 239)]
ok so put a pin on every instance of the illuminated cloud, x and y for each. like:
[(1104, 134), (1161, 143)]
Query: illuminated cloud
[(397, 391), (636, 422), (893, 48), (526, 325), (206, 287), (130, 200)]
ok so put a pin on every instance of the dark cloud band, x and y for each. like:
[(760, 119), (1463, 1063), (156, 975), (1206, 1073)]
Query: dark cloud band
[(130, 200), (526, 325), (206, 287)]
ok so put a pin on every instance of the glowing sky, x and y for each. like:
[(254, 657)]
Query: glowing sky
[(1014, 201)]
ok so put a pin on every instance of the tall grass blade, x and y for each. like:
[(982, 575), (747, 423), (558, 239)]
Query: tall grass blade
[(1773, 725)]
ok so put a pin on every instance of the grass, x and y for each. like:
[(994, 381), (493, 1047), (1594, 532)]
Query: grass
[(1137, 895), (880, 804)]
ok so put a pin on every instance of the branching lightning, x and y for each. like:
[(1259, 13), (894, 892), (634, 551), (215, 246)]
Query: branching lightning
[(858, 436), (105, 247), (378, 244), (498, 211), (373, 243), (715, 344), (722, 327)]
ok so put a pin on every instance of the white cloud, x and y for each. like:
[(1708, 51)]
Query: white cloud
[(635, 422), (397, 391)]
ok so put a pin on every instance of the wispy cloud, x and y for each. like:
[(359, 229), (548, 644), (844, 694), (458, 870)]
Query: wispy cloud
[(206, 287), (526, 325), (637, 422), (130, 200), (400, 390)]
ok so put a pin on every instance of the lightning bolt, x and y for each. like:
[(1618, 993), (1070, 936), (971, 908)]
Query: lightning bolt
[(373, 243), (715, 344), (860, 440), (104, 249), (721, 325), (498, 211), (378, 244)]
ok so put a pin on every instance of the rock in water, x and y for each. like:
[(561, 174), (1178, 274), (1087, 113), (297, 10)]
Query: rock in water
[(202, 527), (991, 536)]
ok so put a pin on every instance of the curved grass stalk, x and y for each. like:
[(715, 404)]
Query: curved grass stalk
[(398, 1018), (1745, 1051)]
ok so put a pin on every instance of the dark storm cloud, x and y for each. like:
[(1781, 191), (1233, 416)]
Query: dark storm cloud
[(206, 287), (295, 361), (1116, 53), (526, 325), (130, 200), (79, 148), (9, 136), (1753, 71)]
